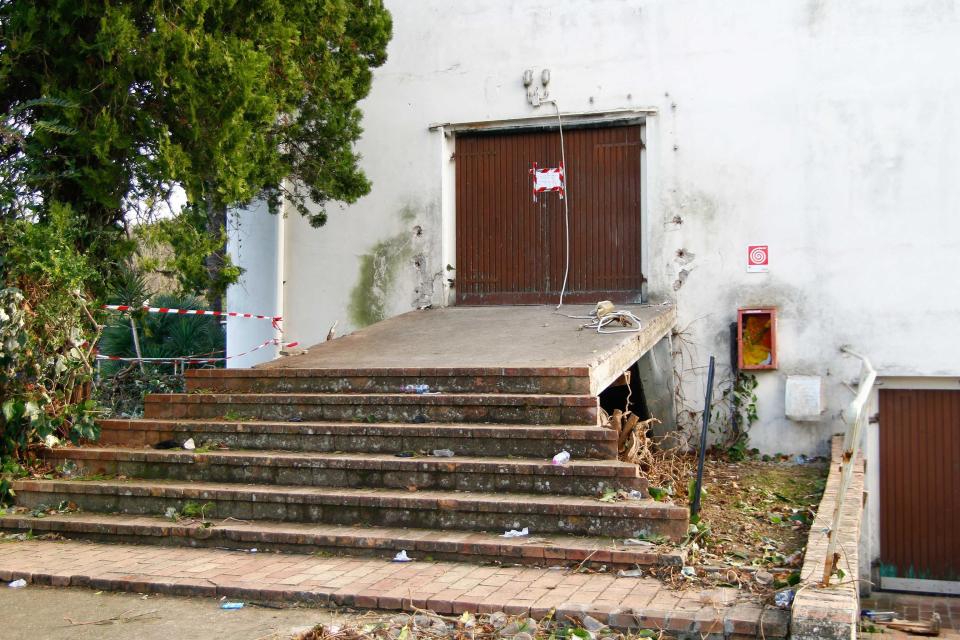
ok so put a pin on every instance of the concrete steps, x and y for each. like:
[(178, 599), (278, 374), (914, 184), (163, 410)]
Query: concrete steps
[(541, 409), (357, 470), (517, 440), (570, 380), (382, 542), (442, 510), (305, 461)]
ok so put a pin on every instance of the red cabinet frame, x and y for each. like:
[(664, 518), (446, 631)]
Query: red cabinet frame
[(761, 332)]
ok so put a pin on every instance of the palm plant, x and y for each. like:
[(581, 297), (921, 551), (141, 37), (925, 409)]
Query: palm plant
[(158, 335)]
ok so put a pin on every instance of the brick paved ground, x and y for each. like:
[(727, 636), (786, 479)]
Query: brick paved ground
[(917, 607), (373, 583)]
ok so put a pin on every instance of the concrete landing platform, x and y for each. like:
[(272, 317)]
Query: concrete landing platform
[(500, 337)]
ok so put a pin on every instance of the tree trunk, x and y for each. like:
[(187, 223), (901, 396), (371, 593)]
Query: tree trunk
[(216, 222), (136, 344)]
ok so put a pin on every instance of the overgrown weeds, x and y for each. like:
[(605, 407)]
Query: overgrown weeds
[(122, 393), (47, 337), (754, 522)]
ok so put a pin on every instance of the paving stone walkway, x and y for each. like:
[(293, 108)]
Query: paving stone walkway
[(919, 607), (444, 587)]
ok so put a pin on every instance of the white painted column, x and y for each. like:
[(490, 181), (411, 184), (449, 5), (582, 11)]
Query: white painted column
[(255, 242)]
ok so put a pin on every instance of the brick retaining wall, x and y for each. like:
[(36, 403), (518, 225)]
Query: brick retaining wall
[(831, 613)]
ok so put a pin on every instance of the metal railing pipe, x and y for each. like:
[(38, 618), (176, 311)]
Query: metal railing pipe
[(855, 416)]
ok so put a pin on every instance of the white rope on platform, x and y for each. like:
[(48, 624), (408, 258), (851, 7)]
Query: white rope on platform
[(626, 319)]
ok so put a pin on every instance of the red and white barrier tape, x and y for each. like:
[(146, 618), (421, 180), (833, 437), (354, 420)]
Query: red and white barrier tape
[(192, 360), (191, 312), (275, 320)]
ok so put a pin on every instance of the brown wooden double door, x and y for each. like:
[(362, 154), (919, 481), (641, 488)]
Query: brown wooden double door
[(510, 249), (920, 484)]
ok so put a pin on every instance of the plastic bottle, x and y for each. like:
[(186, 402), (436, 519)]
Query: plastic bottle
[(561, 458)]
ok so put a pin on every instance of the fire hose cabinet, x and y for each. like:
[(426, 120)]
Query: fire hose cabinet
[(757, 338)]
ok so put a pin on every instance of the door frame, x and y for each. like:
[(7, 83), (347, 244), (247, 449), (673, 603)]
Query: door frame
[(545, 121), (869, 546)]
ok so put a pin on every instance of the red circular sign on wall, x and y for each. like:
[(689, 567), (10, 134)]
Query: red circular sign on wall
[(758, 258)]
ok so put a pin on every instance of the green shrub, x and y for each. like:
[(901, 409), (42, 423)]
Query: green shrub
[(46, 335)]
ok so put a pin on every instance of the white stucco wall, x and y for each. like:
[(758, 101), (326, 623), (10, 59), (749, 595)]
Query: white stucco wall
[(828, 129), (252, 241)]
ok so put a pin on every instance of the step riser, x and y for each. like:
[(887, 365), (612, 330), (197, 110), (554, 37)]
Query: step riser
[(391, 384), (296, 510), (405, 413), (254, 473), (387, 443), (268, 542)]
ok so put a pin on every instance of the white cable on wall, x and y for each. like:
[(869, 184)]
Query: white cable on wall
[(566, 205)]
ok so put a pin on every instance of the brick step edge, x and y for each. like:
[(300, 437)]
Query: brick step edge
[(360, 380), (345, 506), (500, 440), (405, 408), (359, 461), (736, 623), (380, 398), (366, 541), (374, 372), (584, 478)]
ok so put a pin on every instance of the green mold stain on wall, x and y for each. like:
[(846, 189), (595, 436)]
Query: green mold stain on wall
[(408, 213), (378, 273)]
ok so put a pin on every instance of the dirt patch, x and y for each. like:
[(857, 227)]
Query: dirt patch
[(427, 625), (754, 522), (760, 512)]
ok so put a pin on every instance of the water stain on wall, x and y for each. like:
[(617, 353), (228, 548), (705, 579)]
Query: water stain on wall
[(816, 12), (378, 273), (382, 267)]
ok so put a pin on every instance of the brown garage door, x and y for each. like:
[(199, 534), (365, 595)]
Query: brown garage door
[(920, 484), (510, 249)]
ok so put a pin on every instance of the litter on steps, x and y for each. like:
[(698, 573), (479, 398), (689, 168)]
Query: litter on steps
[(402, 557), (416, 388), (187, 444), (513, 533), (784, 599)]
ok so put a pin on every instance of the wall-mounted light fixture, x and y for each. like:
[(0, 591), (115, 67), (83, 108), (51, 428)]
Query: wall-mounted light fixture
[(536, 92)]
